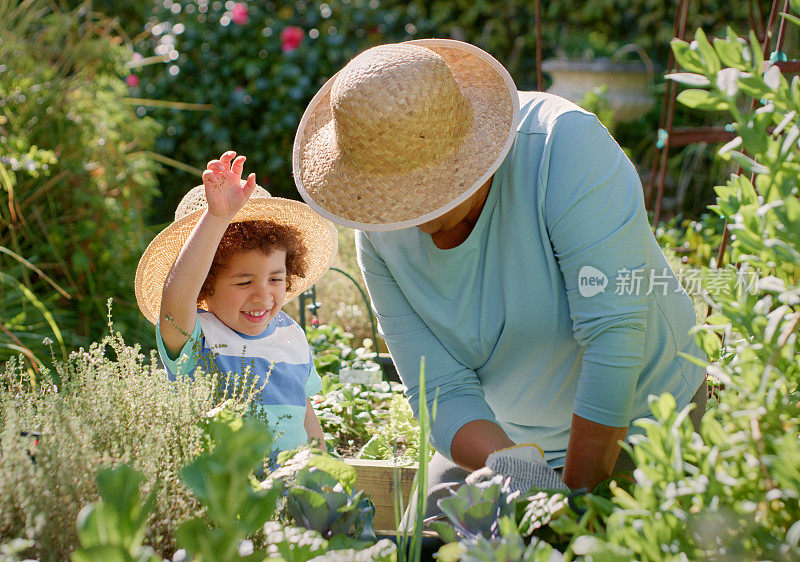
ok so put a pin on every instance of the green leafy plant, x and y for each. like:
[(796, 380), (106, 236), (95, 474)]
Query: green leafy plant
[(236, 508), (12, 550), (509, 546), (332, 349), (112, 529), (732, 490), (536, 511), (398, 437), (476, 507), (27, 321), (409, 541), (694, 242), (693, 489), (351, 414), (293, 544), (219, 479)]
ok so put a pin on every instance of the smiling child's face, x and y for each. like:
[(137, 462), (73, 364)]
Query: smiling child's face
[(249, 291)]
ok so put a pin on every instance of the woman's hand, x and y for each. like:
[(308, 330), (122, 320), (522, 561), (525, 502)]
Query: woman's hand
[(223, 182)]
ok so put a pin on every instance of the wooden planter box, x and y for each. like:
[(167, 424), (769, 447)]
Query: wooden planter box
[(376, 478)]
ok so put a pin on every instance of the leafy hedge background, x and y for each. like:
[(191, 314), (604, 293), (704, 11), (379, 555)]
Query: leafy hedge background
[(259, 84)]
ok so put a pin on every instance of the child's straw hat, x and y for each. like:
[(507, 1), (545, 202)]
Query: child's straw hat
[(404, 133), (317, 234)]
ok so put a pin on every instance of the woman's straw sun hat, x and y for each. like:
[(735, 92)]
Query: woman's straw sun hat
[(317, 234), (404, 133)]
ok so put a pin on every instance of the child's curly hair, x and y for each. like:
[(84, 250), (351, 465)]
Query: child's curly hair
[(261, 235)]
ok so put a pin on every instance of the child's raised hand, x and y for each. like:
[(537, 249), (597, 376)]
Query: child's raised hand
[(223, 182)]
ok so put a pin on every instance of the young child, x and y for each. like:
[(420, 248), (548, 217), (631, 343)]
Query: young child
[(220, 274)]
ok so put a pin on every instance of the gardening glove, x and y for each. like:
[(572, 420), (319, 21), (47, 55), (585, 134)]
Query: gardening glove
[(525, 467)]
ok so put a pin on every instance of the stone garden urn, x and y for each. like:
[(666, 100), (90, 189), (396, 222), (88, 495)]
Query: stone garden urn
[(626, 83)]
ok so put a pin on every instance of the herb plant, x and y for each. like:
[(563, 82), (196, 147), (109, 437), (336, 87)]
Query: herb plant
[(729, 492), (351, 414), (101, 408), (332, 349), (509, 546), (732, 490)]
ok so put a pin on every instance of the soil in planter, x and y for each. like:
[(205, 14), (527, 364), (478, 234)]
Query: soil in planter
[(348, 446)]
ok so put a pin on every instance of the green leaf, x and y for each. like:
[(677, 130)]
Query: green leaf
[(120, 518), (507, 527), (794, 19), (194, 536), (756, 51), (701, 99), (753, 86), (102, 553), (708, 342), (446, 531), (747, 191), (748, 163), (689, 78), (693, 360), (257, 509), (309, 507), (730, 51), (341, 471), (451, 552), (662, 406), (754, 140), (708, 53), (688, 58)]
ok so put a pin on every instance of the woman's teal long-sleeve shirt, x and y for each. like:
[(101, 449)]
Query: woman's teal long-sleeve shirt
[(514, 323)]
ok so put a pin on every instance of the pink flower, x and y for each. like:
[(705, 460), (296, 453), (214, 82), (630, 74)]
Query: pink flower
[(291, 37), (132, 80), (239, 13)]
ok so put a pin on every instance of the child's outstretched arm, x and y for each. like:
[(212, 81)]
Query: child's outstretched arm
[(225, 195)]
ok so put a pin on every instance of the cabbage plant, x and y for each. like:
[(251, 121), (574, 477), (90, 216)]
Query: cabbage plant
[(319, 501), (476, 507)]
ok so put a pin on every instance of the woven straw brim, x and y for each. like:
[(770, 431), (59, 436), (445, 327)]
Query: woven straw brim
[(317, 234), (337, 189)]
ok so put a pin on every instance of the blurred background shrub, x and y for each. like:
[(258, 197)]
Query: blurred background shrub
[(76, 178), (258, 64)]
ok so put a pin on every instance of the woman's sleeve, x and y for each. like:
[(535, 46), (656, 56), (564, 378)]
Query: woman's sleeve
[(456, 389), (598, 228)]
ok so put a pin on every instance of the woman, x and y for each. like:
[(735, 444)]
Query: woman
[(502, 236)]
